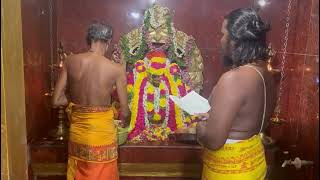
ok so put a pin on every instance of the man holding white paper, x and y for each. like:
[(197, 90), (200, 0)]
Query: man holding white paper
[(241, 103), (192, 103)]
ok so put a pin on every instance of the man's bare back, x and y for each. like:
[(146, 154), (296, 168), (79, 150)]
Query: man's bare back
[(91, 78), (88, 78), (248, 85), (237, 105)]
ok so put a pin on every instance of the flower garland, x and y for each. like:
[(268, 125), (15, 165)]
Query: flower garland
[(130, 83), (156, 102), (137, 101), (130, 57), (183, 90), (146, 44), (154, 114), (143, 94), (143, 130), (136, 125), (182, 58), (176, 114), (157, 66), (117, 54)]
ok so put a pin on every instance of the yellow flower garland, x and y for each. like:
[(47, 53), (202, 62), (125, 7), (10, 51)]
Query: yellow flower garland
[(179, 82), (150, 90), (150, 106), (135, 100), (162, 102), (174, 91), (162, 86), (160, 60), (156, 71), (156, 117), (129, 88)]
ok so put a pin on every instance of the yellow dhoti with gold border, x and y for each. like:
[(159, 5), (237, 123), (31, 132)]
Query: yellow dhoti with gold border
[(92, 151), (244, 160)]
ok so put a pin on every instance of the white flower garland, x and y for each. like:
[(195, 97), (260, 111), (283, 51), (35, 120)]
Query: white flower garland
[(156, 104), (146, 118), (165, 123)]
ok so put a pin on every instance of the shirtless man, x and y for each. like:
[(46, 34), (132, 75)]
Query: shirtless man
[(240, 108), (89, 78)]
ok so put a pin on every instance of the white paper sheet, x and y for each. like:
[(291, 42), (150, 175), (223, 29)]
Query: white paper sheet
[(192, 103)]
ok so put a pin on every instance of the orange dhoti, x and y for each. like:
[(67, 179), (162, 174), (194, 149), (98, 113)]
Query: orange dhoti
[(92, 144)]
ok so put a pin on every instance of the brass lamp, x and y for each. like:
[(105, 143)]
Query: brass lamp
[(61, 132), (275, 119)]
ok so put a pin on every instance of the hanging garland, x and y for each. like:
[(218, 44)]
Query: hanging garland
[(147, 102), (154, 114)]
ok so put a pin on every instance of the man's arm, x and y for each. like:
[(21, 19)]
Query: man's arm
[(226, 102), (59, 96), (121, 83)]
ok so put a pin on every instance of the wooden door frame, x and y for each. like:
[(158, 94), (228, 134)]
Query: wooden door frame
[(13, 117)]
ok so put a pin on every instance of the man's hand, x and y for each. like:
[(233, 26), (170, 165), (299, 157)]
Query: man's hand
[(124, 121), (59, 97), (201, 126), (202, 116), (187, 130), (121, 84), (201, 130)]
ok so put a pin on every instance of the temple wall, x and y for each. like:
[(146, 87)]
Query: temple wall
[(300, 101), (201, 19), (37, 55)]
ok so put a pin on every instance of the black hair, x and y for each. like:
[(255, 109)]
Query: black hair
[(248, 32), (99, 32)]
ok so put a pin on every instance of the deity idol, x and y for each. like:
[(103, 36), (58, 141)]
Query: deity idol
[(153, 114), (160, 61)]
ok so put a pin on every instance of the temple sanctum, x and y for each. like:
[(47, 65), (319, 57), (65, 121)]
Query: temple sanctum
[(168, 49)]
